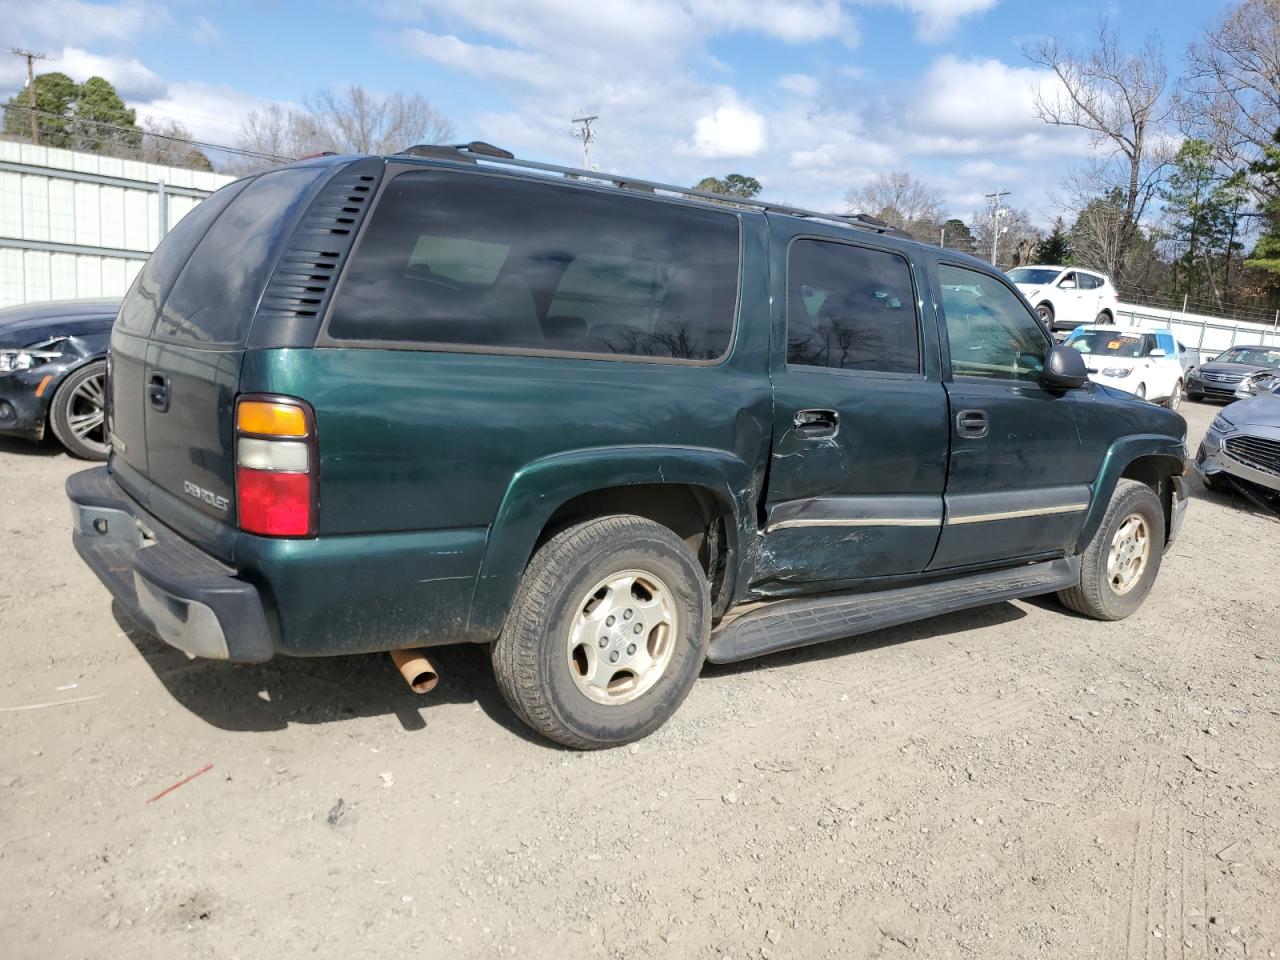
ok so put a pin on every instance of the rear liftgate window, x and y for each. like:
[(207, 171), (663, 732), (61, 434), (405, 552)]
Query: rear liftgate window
[(215, 296), (486, 262)]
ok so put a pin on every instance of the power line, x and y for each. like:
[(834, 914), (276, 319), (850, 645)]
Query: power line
[(240, 151), (31, 58)]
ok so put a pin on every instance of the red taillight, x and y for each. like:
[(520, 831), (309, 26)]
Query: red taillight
[(275, 466), (275, 504)]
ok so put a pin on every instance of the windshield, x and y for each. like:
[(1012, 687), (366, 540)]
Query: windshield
[(1036, 275), (1256, 356), (1110, 344)]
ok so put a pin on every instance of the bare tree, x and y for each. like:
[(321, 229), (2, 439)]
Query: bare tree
[(1018, 236), (352, 120), (1231, 94), (901, 201), (1118, 99), (168, 142)]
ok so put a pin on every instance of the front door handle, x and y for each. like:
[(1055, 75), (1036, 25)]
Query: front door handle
[(813, 424), (972, 424), (158, 392)]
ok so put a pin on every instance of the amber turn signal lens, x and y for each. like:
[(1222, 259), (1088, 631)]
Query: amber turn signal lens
[(270, 419)]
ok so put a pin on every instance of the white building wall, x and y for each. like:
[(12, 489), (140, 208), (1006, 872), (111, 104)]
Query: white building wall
[(64, 238)]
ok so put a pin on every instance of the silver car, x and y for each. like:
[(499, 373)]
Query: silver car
[(1243, 442)]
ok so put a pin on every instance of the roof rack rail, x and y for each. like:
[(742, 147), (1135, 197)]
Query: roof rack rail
[(488, 153)]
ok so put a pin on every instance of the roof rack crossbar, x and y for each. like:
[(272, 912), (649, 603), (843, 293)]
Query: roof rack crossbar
[(650, 186)]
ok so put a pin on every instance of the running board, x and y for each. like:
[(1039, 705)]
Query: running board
[(784, 624)]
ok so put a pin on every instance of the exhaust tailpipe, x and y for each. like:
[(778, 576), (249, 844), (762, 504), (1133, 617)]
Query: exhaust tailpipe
[(417, 670)]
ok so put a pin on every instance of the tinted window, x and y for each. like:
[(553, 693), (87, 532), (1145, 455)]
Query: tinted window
[(1035, 275), (851, 308), (991, 334), (217, 292), (483, 261), (138, 312), (1088, 281)]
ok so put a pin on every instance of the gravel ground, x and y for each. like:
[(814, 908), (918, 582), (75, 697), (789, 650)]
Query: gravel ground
[(1007, 783)]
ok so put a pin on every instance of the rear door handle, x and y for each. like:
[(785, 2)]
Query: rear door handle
[(158, 392), (972, 424), (813, 424)]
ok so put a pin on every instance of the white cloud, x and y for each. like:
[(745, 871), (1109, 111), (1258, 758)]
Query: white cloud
[(732, 130), (212, 112), (205, 33), (77, 22), (799, 84), (482, 60), (935, 19), (979, 97), (132, 80), (796, 21)]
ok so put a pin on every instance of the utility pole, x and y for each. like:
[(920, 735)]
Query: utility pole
[(32, 57), (995, 222), (586, 135)]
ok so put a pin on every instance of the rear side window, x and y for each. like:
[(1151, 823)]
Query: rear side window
[(216, 294), (850, 308), (138, 312), (472, 260)]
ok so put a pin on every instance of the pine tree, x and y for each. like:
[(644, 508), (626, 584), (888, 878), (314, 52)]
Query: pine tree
[(103, 123), (1266, 253), (1055, 249), (56, 95)]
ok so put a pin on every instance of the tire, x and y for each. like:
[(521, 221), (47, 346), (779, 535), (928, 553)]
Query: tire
[(1141, 392), (77, 412), (1196, 397), (1106, 593), (1045, 310), (567, 692), (1174, 400), (1104, 318)]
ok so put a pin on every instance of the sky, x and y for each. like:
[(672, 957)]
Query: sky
[(811, 97)]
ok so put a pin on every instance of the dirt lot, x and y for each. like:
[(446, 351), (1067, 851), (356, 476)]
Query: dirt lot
[(1011, 782)]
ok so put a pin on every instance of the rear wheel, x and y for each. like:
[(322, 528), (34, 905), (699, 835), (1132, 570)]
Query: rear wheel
[(78, 412), (1174, 401), (1141, 392), (607, 633), (1104, 318), (1120, 564)]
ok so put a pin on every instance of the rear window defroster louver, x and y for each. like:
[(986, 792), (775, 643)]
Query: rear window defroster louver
[(302, 283)]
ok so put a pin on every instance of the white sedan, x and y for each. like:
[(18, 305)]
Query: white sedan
[(1145, 363), (1066, 297)]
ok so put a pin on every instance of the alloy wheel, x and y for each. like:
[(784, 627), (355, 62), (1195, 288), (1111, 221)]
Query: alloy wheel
[(1128, 555)]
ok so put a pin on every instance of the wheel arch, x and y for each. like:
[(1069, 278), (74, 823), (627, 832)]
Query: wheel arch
[(703, 495), (1150, 459)]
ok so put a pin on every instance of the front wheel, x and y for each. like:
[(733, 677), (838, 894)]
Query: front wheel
[(78, 412), (1120, 564), (607, 633), (1045, 312)]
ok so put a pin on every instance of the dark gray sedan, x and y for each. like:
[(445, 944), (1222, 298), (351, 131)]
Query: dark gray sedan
[(1243, 443), (53, 371), (1225, 376)]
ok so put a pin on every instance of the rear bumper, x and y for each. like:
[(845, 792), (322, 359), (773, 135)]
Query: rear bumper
[(177, 591)]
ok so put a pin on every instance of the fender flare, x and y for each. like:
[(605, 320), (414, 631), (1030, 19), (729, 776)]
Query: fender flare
[(1169, 452), (541, 487)]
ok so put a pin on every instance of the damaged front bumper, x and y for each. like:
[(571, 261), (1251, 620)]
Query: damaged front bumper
[(1241, 454)]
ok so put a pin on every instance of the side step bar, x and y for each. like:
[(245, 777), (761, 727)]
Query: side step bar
[(784, 624)]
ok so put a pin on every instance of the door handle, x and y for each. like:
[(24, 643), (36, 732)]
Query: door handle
[(813, 424), (158, 392), (972, 424)]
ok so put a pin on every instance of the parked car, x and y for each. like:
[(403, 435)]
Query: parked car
[(1146, 363), (1223, 377), (53, 371), (611, 428), (1243, 442), (1066, 297)]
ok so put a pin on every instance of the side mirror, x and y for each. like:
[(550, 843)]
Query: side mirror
[(1064, 369), (1157, 352)]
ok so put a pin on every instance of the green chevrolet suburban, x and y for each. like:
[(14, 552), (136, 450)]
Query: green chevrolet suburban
[(611, 428)]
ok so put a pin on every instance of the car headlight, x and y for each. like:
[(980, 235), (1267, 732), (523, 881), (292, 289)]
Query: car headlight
[(12, 361), (1118, 372), (1221, 424)]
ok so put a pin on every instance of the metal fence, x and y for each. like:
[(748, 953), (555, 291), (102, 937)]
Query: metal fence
[(1201, 334)]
